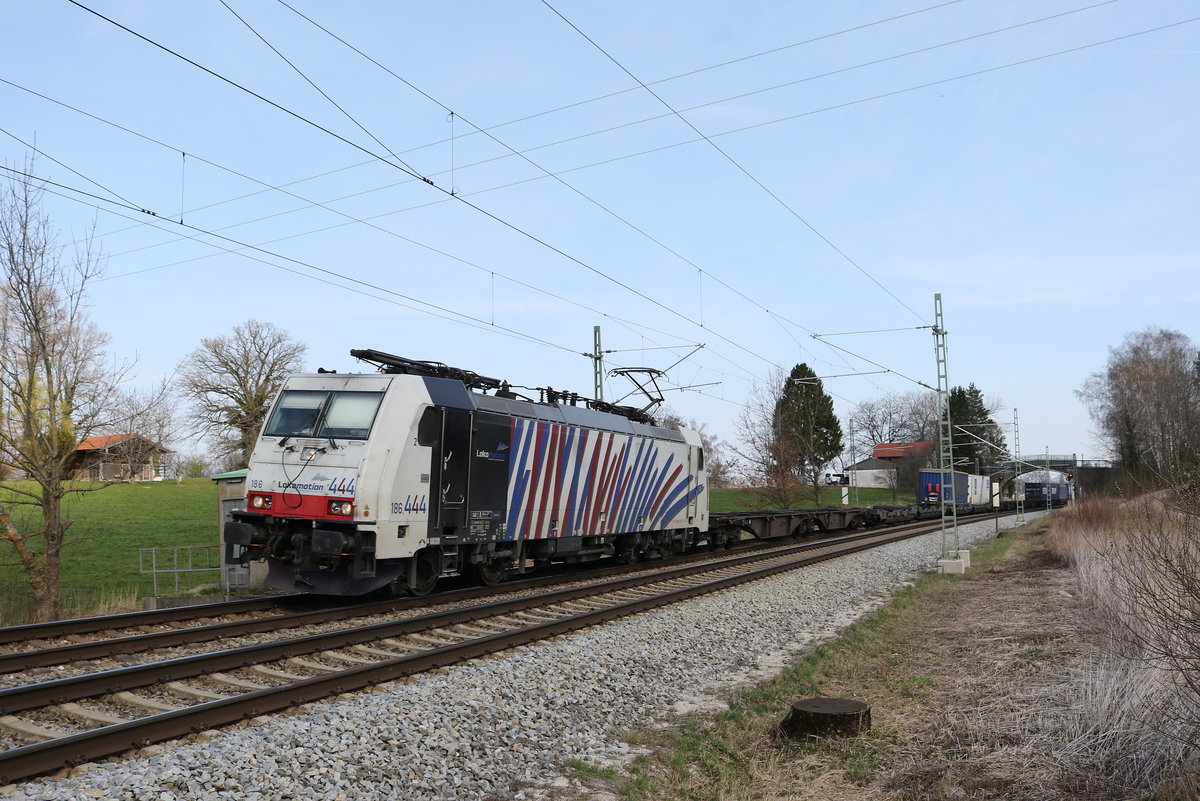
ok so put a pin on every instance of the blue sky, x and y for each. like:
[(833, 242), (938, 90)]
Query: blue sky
[(1033, 162)]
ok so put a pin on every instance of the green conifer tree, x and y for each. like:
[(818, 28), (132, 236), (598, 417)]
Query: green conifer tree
[(808, 432)]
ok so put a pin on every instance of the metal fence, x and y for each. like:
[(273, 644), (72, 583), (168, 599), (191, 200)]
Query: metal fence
[(174, 561)]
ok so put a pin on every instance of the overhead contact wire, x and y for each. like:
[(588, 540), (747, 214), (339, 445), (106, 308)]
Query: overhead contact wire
[(307, 265), (730, 159), (308, 204), (490, 215)]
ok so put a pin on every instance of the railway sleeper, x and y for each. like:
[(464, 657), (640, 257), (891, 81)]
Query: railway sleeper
[(376, 652), (308, 664), (276, 673), (28, 730), (349, 659), (188, 691), (90, 715), (142, 702), (234, 681)]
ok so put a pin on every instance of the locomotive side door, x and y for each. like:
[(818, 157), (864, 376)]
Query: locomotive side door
[(453, 461), (488, 494)]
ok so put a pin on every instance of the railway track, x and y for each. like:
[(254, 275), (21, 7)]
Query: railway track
[(36, 649), (109, 639), (91, 716)]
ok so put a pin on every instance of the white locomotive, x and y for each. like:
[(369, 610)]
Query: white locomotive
[(362, 481)]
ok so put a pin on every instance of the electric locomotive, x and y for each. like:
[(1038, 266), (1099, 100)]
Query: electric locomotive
[(393, 479)]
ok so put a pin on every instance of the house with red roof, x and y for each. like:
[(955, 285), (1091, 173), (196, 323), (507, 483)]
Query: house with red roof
[(895, 451), (891, 465), (118, 457)]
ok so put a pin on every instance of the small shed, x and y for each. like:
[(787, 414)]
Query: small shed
[(231, 497)]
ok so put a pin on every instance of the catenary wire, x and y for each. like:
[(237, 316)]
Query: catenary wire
[(710, 67), (75, 194), (738, 165), (239, 246), (660, 116), (141, 222), (490, 215), (546, 172), (321, 91), (1042, 57), (713, 144)]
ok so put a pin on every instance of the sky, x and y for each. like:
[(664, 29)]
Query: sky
[(483, 183)]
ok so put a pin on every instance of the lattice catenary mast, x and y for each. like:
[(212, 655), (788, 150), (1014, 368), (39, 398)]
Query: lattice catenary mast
[(945, 439), (1017, 469)]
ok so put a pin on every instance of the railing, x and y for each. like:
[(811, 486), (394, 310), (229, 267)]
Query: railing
[(176, 560)]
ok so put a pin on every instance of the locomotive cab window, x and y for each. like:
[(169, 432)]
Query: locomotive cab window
[(314, 413), (295, 414)]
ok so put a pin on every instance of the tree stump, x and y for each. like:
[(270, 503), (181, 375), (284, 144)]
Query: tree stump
[(826, 717)]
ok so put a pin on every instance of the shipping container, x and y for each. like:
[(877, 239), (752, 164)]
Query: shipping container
[(979, 490), (929, 487), (1036, 491)]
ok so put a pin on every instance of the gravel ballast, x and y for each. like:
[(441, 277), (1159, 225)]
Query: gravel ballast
[(503, 727)]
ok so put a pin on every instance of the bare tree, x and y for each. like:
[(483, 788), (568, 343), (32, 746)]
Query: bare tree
[(188, 465), (56, 385), (896, 417), (789, 436), (231, 379), (1146, 403), (720, 466), (908, 417), (878, 421), (768, 459)]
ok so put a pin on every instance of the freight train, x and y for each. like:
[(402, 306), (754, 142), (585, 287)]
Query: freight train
[(393, 479)]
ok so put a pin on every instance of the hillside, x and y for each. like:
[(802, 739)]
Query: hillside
[(109, 527)]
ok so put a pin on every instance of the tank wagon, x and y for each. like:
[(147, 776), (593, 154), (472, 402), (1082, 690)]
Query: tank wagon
[(362, 481)]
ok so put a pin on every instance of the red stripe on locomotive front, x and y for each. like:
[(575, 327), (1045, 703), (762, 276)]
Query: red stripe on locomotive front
[(291, 504)]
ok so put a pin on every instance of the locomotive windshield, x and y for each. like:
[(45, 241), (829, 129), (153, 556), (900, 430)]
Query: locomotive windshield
[(317, 413)]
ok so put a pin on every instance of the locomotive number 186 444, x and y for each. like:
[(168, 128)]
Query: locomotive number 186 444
[(412, 504)]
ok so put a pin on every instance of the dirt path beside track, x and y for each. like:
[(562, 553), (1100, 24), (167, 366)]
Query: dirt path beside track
[(972, 686)]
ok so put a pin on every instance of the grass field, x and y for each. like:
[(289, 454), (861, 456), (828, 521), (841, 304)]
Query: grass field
[(100, 558)]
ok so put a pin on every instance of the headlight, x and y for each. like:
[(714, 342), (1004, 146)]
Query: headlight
[(344, 508), (260, 501)]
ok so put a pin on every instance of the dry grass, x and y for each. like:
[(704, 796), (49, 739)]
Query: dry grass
[(981, 687), (1138, 711)]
